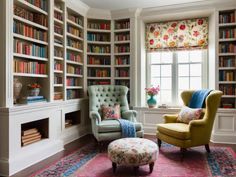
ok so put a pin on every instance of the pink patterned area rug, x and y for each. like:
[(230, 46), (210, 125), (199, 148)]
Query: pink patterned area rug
[(88, 162)]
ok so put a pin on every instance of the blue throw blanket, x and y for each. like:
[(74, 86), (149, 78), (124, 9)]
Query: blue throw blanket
[(198, 98), (127, 128)]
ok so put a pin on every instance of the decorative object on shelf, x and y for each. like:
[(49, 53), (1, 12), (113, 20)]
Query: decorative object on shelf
[(17, 89), (152, 91), (34, 89)]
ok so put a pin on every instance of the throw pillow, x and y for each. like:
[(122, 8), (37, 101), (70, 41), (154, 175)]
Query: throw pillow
[(187, 114), (110, 112)]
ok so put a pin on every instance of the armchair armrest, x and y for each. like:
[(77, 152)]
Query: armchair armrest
[(95, 115), (170, 118), (197, 123), (129, 115)]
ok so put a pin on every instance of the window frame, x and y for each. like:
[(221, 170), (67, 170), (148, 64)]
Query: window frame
[(174, 64)]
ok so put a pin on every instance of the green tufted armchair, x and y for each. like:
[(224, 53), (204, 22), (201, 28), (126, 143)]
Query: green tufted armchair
[(105, 130)]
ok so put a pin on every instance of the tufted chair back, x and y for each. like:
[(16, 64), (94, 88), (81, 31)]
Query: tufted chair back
[(109, 95)]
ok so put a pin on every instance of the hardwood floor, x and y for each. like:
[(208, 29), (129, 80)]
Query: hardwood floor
[(72, 147)]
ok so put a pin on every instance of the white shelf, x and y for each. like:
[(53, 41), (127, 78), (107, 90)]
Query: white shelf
[(227, 54), (74, 62), (19, 36), (74, 49), (125, 53), (226, 82), (58, 71), (99, 54), (228, 96), (227, 68), (74, 87), (98, 66), (121, 78), (98, 30), (74, 24), (122, 66), (58, 35), (121, 30), (73, 75), (122, 42), (30, 22), (58, 10), (57, 85), (227, 24), (58, 21), (24, 4), (30, 75), (227, 40), (29, 57), (99, 42), (99, 78), (58, 58), (58, 45), (73, 36)]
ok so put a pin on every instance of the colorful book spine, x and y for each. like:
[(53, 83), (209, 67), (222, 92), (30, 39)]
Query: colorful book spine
[(122, 49), (122, 25), (123, 60), (74, 44), (21, 66), (122, 37), (42, 4), (102, 26), (98, 61), (98, 49), (72, 82), (74, 69), (99, 72), (98, 37), (74, 31), (73, 57), (75, 19), (73, 94)]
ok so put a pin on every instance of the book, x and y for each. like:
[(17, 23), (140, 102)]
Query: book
[(29, 131), (32, 141), (30, 136)]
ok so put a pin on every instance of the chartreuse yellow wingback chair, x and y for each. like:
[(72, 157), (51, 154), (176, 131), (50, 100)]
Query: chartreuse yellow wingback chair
[(197, 132)]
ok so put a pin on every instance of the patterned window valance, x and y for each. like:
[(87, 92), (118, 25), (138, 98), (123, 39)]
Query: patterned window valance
[(177, 35)]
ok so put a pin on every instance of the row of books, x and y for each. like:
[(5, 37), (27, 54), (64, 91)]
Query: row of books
[(73, 57), (227, 62), (122, 25), (75, 19), (58, 52), (32, 99), (122, 60), (74, 31), (58, 66), (21, 66), (228, 33), (58, 29), (58, 95), (99, 72), (227, 76), (58, 16), (58, 40), (122, 37), (227, 48), (98, 61), (98, 37), (74, 44), (99, 82), (68, 123), (227, 105), (30, 136), (103, 26), (122, 49), (29, 31), (72, 94), (74, 70), (98, 49), (34, 17), (42, 4), (227, 17), (121, 73), (58, 79), (228, 89), (122, 82), (29, 49), (72, 81)]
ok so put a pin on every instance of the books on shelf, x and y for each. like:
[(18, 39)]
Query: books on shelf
[(58, 95), (58, 29), (58, 66), (98, 37), (122, 37), (99, 72), (30, 136), (32, 99), (74, 69), (73, 57), (122, 72), (72, 82), (98, 49), (74, 31), (75, 19), (122, 48), (58, 16), (227, 75), (227, 33), (122, 24), (72, 94), (228, 89), (123, 82), (99, 25), (227, 17), (227, 48), (99, 82), (122, 60), (33, 67), (98, 60), (58, 79), (74, 43), (68, 123), (42, 4), (58, 52), (227, 61)]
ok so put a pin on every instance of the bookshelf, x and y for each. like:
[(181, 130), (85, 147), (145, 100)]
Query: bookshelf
[(30, 45), (74, 55), (98, 52), (59, 50), (122, 53), (227, 57)]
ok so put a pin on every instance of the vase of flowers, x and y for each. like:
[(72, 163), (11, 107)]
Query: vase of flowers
[(152, 92), (34, 89)]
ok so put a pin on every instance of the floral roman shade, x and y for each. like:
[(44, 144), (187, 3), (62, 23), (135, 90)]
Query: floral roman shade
[(177, 35)]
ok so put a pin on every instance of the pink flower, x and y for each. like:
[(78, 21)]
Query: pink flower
[(170, 31), (166, 37), (196, 33), (152, 90), (151, 42), (200, 22), (173, 25), (182, 27)]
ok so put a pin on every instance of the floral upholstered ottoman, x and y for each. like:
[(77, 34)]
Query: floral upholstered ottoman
[(132, 152)]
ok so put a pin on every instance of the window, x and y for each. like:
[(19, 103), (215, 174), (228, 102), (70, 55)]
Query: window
[(176, 71)]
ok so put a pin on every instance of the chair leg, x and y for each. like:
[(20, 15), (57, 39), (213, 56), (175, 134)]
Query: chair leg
[(207, 148), (183, 150), (114, 166), (151, 165), (159, 142)]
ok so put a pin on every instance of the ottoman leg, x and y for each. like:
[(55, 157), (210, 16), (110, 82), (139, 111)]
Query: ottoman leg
[(151, 165), (114, 166), (136, 170)]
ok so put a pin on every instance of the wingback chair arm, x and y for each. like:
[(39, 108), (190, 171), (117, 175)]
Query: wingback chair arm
[(197, 123), (170, 118), (129, 115), (95, 115)]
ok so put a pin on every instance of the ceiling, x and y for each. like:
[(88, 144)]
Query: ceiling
[(126, 4)]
